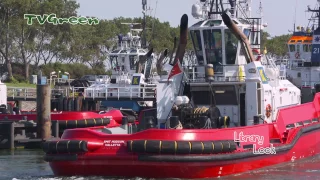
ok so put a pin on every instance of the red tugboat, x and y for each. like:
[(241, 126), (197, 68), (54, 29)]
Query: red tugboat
[(65, 119), (222, 120)]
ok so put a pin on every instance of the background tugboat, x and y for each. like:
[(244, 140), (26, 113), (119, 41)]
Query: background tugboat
[(303, 63), (197, 136), (132, 65)]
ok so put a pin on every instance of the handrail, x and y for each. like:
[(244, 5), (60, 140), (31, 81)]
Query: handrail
[(309, 83), (200, 76), (121, 92)]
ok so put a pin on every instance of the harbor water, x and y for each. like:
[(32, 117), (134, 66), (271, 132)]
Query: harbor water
[(29, 165)]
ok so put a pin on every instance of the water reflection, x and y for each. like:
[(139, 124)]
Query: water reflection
[(23, 163), (29, 165)]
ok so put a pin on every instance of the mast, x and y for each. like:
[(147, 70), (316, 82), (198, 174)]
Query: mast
[(214, 10), (317, 11), (144, 38), (315, 56)]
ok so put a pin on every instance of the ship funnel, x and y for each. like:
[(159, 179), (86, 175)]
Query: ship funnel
[(183, 39), (240, 35)]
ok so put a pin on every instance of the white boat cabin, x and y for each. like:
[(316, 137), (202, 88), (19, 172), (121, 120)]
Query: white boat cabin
[(126, 56), (241, 90)]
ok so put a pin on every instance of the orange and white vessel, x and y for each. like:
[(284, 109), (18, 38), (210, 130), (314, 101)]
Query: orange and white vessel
[(302, 66)]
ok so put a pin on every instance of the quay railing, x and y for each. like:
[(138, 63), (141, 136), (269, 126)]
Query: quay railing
[(120, 92), (87, 92), (24, 93)]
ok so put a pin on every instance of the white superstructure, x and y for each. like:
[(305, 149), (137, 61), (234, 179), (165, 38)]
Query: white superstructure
[(3, 94), (303, 67), (241, 90)]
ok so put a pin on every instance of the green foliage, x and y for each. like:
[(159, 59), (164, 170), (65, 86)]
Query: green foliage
[(12, 80), (20, 78), (76, 70), (23, 85), (32, 47), (276, 45)]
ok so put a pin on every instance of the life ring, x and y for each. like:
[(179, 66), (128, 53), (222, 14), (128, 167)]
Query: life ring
[(297, 55), (268, 110)]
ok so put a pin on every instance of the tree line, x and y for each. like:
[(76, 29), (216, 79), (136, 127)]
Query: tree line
[(276, 46), (39, 44), (30, 47)]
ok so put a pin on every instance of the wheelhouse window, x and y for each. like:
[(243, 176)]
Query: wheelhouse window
[(306, 48), (133, 59), (252, 37), (213, 23), (196, 40), (246, 32), (115, 51), (133, 51), (298, 47), (213, 48), (114, 62), (231, 46), (292, 47), (221, 95)]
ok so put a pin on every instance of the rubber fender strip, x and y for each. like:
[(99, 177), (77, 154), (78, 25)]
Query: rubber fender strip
[(60, 157), (225, 157), (65, 146), (181, 147), (84, 123), (225, 121), (247, 146)]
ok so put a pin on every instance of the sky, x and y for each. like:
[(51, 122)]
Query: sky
[(279, 14)]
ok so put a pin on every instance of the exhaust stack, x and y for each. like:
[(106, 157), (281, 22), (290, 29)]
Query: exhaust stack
[(183, 39), (247, 51)]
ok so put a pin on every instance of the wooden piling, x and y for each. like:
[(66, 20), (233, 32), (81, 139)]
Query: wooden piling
[(7, 134), (43, 111)]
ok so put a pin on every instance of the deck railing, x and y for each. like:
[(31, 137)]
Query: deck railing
[(309, 83), (193, 76)]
